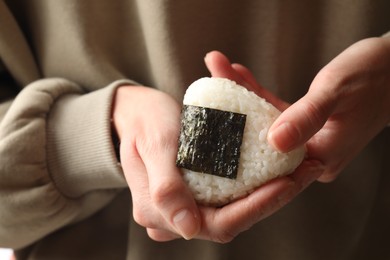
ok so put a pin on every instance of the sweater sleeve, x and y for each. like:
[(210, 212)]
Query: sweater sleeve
[(57, 162)]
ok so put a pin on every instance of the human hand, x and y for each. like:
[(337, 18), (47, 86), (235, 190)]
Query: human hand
[(348, 103), (356, 77), (147, 122), (223, 224)]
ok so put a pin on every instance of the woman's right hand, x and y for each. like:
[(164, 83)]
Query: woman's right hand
[(147, 122)]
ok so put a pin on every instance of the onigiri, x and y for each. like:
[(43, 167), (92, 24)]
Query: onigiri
[(223, 150)]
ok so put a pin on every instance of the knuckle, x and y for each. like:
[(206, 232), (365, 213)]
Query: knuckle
[(315, 113), (328, 177), (142, 218), (161, 235), (330, 75), (224, 237), (154, 235), (165, 192)]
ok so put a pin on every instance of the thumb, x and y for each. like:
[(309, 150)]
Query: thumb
[(298, 123)]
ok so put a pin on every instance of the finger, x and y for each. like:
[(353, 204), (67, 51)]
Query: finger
[(222, 225), (161, 235), (298, 123), (168, 192), (136, 176), (306, 173), (248, 77), (220, 67)]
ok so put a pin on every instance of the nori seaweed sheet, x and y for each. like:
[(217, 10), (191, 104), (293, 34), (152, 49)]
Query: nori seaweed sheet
[(210, 141)]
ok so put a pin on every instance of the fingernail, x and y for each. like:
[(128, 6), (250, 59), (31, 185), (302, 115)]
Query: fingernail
[(206, 57), (314, 171), (284, 137), (186, 224)]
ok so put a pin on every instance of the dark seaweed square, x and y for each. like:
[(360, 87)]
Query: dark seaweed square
[(210, 141)]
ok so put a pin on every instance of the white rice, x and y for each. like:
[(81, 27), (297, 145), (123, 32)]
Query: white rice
[(259, 162)]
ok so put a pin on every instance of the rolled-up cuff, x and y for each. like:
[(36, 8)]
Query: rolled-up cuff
[(81, 156)]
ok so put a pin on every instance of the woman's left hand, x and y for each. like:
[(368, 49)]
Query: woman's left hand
[(348, 103)]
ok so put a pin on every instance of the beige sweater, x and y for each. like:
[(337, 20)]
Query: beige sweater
[(62, 193)]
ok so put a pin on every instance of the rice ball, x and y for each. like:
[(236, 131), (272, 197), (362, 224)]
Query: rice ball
[(223, 150)]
